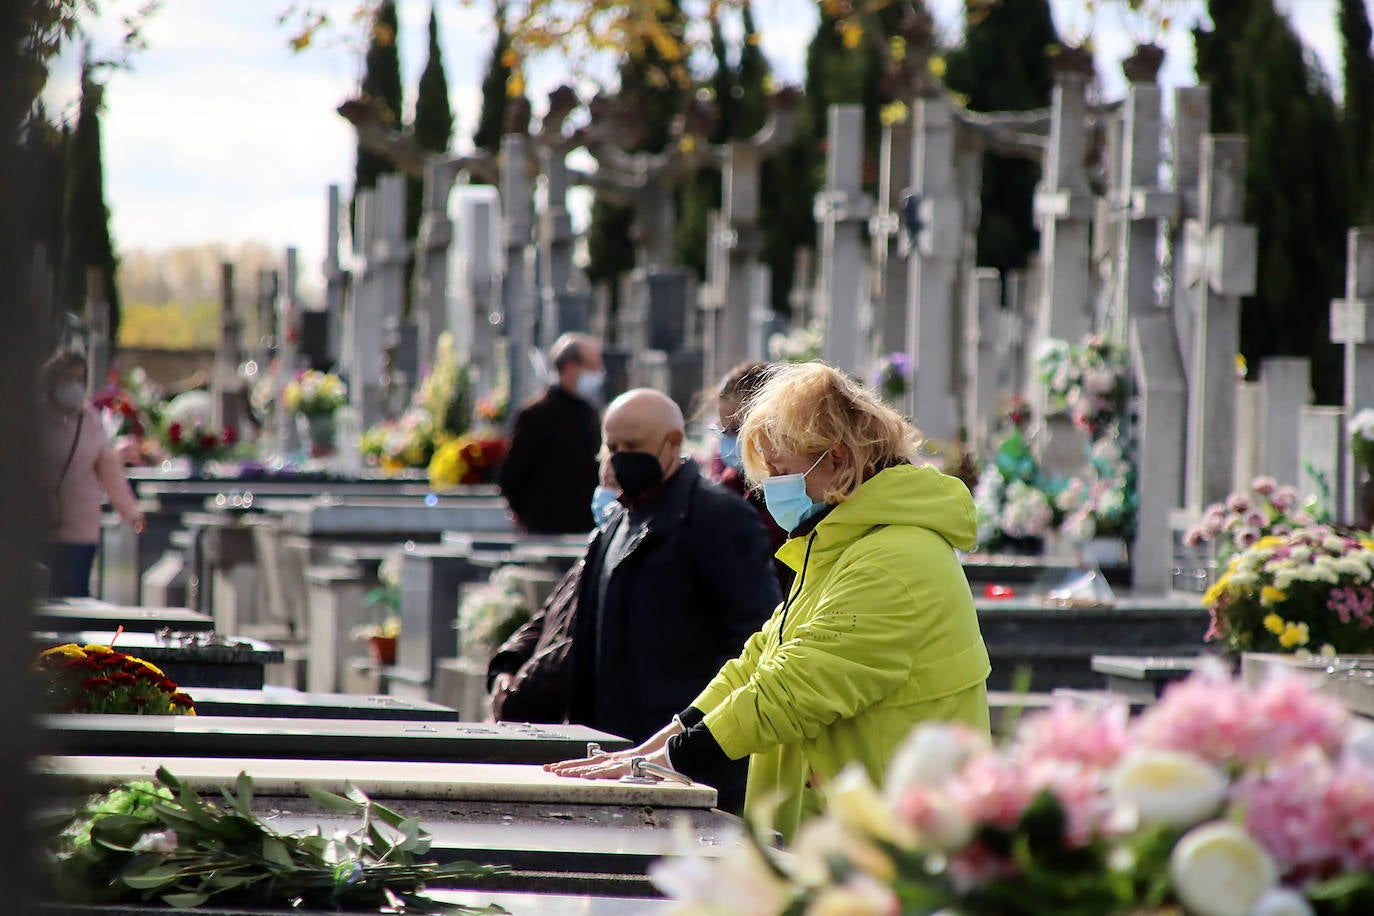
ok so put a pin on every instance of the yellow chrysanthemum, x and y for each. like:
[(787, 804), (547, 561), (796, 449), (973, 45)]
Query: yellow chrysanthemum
[(1294, 634), (1217, 591), (1274, 624), (70, 650), (1270, 596)]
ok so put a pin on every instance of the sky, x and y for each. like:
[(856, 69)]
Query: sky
[(220, 133)]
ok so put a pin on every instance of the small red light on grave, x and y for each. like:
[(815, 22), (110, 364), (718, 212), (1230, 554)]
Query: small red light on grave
[(999, 592)]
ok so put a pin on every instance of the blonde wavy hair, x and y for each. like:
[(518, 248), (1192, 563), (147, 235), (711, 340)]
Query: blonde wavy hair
[(804, 409)]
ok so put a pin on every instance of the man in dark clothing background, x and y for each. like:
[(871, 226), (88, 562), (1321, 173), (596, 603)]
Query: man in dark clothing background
[(551, 470)]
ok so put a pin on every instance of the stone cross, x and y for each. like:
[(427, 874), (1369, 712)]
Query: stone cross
[(336, 279), (888, 246), (841, 209), (517, 288), (737, 241), (564, 304), (431, 258), (226, 389), (98, 329), (268, 281), (935, 211), (474, 266), (387, 263), (982, 320), (1219, 268), (1063, 208), (1192, 115), (1352, 326), (1158, 376), (288, 317), (1139, 205)]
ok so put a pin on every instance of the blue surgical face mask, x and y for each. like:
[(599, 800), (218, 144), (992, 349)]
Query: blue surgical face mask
[(729, 451), (786, 499), (603, 501), (589, 384)]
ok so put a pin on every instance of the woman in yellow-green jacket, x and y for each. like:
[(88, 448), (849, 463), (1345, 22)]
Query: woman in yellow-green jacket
[(877, 634)]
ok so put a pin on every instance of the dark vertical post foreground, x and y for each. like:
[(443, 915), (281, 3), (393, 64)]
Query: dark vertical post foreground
[(19, 499)]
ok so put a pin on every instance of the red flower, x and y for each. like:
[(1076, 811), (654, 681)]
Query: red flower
[(229, 435), (208, 441), (96, 683), (167, 685), (181, 699), (174, 433), (124, 679)]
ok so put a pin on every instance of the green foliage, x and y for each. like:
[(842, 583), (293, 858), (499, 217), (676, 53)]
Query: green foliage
[(1003, 66), (1358, 116), (85, 218), (141, 843), (491, 124), (382, 84), (1265, 87)]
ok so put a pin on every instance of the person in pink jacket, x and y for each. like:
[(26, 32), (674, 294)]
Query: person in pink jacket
[(80, 468)]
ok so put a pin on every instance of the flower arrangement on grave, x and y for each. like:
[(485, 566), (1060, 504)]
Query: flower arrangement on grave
[(1218, 800), (100, 679), (1011, 506), (491, 408), (489, 613), (312, 393), (441, 409), (198, 440), (1247, 516), (1313, 587), (1103, 503), (891, 376), (131, 410), (467, 460), (384, 601), (1086, 380), (143, 842), (800, 345)]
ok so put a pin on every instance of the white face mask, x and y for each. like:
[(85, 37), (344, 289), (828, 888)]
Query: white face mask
[(589, 384), (69, 396)]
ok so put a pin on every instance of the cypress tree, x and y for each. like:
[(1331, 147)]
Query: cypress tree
[(381, 84), (1358, 116), (491, 124), (432, 127), (44, 150), (1265, 87), (85, 218), (1002, 65), (751, 81)]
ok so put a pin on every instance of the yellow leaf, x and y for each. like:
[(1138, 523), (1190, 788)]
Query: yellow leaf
[(752, 39), (938, 67), (383, 35), (897, 48), (893, 113), (509, 59), (687, 144), (300, 42), (515, 86), (850, 35)]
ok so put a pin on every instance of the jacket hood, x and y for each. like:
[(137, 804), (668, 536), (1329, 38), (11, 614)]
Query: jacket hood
[(918, 497)]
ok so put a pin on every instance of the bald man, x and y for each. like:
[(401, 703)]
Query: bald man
[(550, 473), (674, 582)]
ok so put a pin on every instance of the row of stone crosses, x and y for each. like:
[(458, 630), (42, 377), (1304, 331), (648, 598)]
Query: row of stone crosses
[(895, 273)]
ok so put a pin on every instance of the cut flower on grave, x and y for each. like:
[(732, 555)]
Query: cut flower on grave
[(99, 679)]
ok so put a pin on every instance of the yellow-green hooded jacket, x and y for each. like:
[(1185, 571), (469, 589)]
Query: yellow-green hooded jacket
[(879, 633)]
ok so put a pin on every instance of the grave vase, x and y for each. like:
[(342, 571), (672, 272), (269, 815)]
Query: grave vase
[(318, 432), (1364, 500), (382, 649)]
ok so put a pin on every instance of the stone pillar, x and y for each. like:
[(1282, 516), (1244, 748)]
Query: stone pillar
[(517, 287), (1285, 389), (565, 304), (97, 330), (1220, 270), (431, 259), (840, 210), (1063, 209), (765, 322), (981, 324), (888, 246), (1158, 368), (934, 211), (474, 271), (364, 355), (1323, 455), (1352, 326)]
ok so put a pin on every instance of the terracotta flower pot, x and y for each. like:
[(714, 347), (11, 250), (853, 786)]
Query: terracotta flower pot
[(382, 649)]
